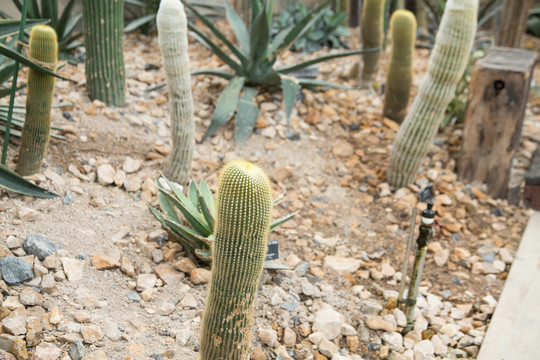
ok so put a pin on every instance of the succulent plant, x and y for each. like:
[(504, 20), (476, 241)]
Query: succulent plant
[(103, 30), (199, 210), (372, 30), (244, 209), (37, 126), (400, 71), (173, 43), (446, 65)]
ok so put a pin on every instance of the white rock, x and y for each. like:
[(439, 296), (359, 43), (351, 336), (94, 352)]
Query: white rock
[(309, 289), (268, 337), (316, 337), (377, 323), (105, 174), (420, 324), (394, 340), (328, 348), (449, 329), (183, 335), (131, 165), (425, 347), (347, 330), (341, 265), (329, 322), (74, 269), (438, 346), (506, 255), (401, 319)]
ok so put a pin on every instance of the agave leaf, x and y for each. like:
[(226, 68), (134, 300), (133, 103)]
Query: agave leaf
[(488, 15), (188, 233), (193, 194), (269, 11), (65, 19), (226, 105), (311, 83), (183, 238), (298, 30), (33, 10), (205, 255), (238, 27), (278, 222), (165, 204), (49, 10), (290, 88), (135, 24), (243, 59), (215, 49), (218, 73), (209, 202), (259, 35), (303, 64), (12, 54), (10, 26), (16, 183), (206, 211), (246, 117)]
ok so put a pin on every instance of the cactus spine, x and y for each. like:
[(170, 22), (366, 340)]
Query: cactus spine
[(399, 75), (372, 28), (446, 66), (37, 125), (103, 22), (173, 43), (244, 206)]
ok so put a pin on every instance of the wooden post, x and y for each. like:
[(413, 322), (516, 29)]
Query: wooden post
[(499, 91)]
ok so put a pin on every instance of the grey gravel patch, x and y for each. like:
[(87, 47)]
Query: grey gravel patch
[(15, 271), (39, 246), (133, 296)]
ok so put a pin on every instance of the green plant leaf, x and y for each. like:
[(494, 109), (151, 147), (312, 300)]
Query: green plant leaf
[(188, 233), (299, 66), (238, 27), (67, 36), (246, 117), (269, 11), (243, 59), (49, 10), (290, 88), (193, 194), (137, 23), (10, 26), (16, 183), (207, 204), (64, 19), (187, 242), (165, 204), (259, 35), (282, 220), (210, 45), (226, 105), (313, 83), (205, 255), (12, 54), (218, 73)]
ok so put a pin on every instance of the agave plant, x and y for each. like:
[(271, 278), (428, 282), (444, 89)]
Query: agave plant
[(256, 55), (64, 23), (199, 209)]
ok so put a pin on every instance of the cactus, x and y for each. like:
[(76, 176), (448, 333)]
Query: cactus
[(103, 29), (446, 65), (244, 206), (399, 75), (173, 43), (372, 29), (37, 125)]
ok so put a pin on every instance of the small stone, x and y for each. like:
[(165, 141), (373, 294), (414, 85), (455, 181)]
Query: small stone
[(341, 265), (146, 281), (105, 174), (189, 301), (39, 246), (55, 316), (377, 323), (304, 329), (394, 340), (289, 337), (166, 308), (328, 348), (81, 317), (47, 353), (15, 322), (258, 354), (316, 337), (15, 271), (12, 303), (18, 348), (74, 269), (29, 297), (185, 265), (132, 183), (183, 335), (131, 165), (329, 322), (96, 355), (309, 289), (268, 337), (353, 342), (200, 276), (504, 253), (27, 214), (169, 274), (92, 333), (425, 347), (119, 178), (104, 262), (387, 270), (343, 149), (76, 351), (127, 267)]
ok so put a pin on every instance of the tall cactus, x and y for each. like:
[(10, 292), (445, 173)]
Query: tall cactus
[(244, 206), (103, 22), (399, 75), (446, 65), (37, 126), (173, 43), (372, 29)]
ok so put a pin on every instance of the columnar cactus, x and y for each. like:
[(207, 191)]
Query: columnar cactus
[(173, 43), (103, 22), (446, 65), (244, 206), (399, 75), (37, 126), (372, 28)]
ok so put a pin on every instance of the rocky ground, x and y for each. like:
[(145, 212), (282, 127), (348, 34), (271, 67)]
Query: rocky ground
[(91, 275)]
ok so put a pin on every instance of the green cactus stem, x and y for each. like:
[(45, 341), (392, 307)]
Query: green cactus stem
[(244, 207), (421, 15), (446, 65), (173, 43), (372, 29), (37, 126), (103, 22), (399, 75)]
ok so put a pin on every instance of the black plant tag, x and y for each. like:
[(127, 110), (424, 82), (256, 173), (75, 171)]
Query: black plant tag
[(273, 251)]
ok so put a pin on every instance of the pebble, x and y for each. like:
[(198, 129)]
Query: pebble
[(309, 289), (74, 269), (268, 337), (105, 174), (47, 353), (200, 276), (76, 351), (425, 347), (189, 301), (15, 322), (15, 271), (185, 265), (328, 348), (393, 339), (131, 165), (377, 323), (104, 262), (92, 333), (341, 265), (29, 297), (27, 214), (343, 149), (39, 246), (289, 337), (328, 322), (146, 281)]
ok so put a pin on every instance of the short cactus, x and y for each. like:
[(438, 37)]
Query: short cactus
[(244, 207), (103, 22), (447, 63), (173, 43), (399, 75), (37, 126), (372, 29)]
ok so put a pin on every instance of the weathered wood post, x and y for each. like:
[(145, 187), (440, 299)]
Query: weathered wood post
[(499, 91)]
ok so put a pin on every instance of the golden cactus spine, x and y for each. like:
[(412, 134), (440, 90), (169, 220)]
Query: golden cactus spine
[(37, 125), (446, 65), (103, 25), (173, 43), (399, 75), (372, 29), (244, 207)]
